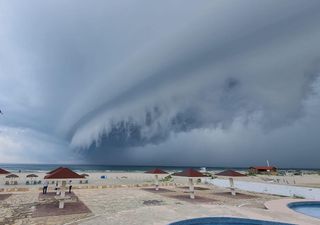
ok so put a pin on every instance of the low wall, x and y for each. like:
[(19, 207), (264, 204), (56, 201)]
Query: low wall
[(12, 188), (275, 189)]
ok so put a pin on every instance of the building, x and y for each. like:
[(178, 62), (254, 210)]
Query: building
[(270, 170)]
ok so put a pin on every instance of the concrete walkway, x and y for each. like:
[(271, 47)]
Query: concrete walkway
[(122, 209)]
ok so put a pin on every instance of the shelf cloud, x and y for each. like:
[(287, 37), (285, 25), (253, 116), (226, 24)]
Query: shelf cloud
[(167, 83)]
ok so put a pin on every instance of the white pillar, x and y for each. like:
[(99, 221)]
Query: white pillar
[(157, 182), (61, 204), (62, 193), (233, 191), (62, 189), (191, 188)]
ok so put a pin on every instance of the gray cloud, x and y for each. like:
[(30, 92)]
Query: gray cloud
[(137, 81)]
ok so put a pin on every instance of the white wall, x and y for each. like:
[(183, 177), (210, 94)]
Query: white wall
[(285, 190)]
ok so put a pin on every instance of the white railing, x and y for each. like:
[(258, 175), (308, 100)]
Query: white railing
[(276, 189)]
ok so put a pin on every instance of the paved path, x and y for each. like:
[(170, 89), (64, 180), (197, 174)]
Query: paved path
[(124, 207)]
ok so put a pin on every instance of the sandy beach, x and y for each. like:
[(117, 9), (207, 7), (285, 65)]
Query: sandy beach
[(135, 178), (130, 198)]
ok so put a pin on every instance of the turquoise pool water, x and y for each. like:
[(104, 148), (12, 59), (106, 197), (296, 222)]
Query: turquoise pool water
[(226, 221), (307, 208)]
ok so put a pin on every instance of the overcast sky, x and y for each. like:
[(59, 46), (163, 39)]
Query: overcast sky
[(183, 82)]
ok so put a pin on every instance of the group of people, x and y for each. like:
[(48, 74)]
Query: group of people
[(46, 185)]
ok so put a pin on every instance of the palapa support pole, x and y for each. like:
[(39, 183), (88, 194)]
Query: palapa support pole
[(233, 191), (190, 174), (231, 174), (63, 185), (62, 192), (157, 182), (61, 203), (191, 188), (62, 195)]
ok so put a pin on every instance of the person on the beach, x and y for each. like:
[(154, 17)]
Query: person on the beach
[(45, 187), (70, 186)]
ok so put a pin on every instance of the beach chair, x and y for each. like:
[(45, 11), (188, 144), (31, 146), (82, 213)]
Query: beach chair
[(27, 182)]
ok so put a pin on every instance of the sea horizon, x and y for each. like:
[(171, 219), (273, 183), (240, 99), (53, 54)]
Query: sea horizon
[(43, 167)]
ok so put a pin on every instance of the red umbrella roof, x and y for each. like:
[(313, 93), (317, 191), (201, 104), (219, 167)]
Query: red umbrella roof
[(52, 171), (189, 173), (63, 173), (2, 171), (156, 171), (230, 173)]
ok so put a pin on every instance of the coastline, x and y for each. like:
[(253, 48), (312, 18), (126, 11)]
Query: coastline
[(44, 167), (136, 178)]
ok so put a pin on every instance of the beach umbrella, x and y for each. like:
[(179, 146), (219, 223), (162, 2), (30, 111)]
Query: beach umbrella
[(156, 173), (63, 174), (84, 175), (12, 177), (231, 174), (190, 174), (32, 175)]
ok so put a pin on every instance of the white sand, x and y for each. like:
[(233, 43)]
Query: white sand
[(133, 178)]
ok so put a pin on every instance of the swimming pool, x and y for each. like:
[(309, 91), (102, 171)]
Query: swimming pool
[(307, 208), (225, 221)]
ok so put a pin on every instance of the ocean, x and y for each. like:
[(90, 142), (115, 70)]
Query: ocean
[(96, 168), (111, 168)]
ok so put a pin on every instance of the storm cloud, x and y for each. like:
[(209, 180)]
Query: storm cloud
[(169, 83)]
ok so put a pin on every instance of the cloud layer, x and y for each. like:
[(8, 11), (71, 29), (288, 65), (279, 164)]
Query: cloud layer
[(137, 82)]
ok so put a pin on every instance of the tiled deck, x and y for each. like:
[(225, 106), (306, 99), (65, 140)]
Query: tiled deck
[(52, 209), (4, 196)]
